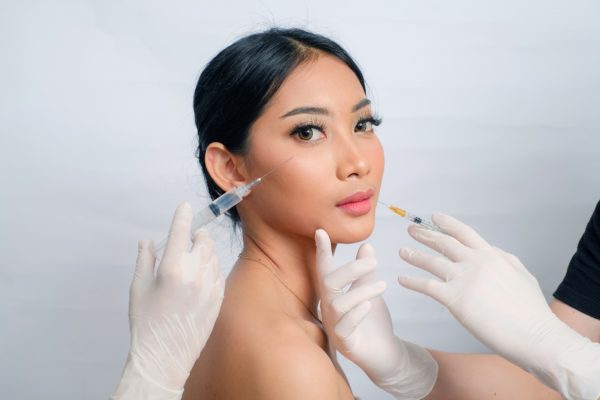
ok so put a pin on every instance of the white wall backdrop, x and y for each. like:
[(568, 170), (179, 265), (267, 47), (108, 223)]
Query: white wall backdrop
[(490, 114)]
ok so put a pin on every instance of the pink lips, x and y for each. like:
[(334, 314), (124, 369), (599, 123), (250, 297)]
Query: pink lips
[(357, 204)]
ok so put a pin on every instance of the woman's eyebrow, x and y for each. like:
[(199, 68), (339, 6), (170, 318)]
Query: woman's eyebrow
[(306, 110), (323, 111), (363, 103)]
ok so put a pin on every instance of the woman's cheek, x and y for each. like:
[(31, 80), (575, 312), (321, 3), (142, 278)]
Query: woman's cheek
[(378, 157)]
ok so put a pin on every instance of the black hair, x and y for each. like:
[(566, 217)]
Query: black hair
[(237, 84)]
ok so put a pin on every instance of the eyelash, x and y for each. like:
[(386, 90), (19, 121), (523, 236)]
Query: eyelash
[(373, 119), (296, 130)]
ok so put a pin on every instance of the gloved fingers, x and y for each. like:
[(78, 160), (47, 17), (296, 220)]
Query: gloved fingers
[(215, 289), (349, 321), (220, 286), (215, 306), (143, 275), (438, 266), (347, 301), (324, 256), (202, 244), (442, 243), (429, 287), (179, 236), (208, 274), (366, 252), (460, 231), (338, 279)]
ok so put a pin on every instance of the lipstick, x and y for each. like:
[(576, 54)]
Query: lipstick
[(357, 204)]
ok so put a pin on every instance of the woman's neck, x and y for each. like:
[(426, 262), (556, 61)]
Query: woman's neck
[(291, 258)]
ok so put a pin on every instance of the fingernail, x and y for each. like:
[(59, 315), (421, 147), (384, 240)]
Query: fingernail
[(418, 232), (405, 252), (200, 232), (320, 234), (439, 219), (185, 207)]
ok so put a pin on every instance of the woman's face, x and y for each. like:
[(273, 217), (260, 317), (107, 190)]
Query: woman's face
[(321, 117)]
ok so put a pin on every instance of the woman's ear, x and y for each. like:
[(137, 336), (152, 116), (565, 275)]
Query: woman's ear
[(225, 168)]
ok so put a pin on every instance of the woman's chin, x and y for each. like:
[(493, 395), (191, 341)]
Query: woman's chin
[(351, 233)]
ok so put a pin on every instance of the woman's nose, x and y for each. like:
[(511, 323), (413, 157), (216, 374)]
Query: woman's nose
[(351, 160)]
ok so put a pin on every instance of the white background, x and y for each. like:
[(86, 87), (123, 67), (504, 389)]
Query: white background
[(490, 114)]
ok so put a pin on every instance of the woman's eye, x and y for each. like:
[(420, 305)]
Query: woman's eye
[(367, 124), (364, 126), (309, 133)]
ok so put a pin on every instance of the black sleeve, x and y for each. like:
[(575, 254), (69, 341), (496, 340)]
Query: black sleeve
[(581, 286)]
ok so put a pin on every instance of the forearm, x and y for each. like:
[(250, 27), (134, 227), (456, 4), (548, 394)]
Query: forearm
[(482, 376)]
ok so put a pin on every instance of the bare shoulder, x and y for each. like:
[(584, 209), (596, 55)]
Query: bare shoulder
[(257, 352), (274, 358), (292, 367)]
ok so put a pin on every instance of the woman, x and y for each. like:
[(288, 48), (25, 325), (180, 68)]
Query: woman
[(267, 97)]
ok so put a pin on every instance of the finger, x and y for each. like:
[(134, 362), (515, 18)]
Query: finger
[(429, 287), (349, 321), (442, 243), (143, 275), (207, 274), (179, 234), (438, 266), (341, 277), (324, 257), (347, 301), (366, 252), (202, 245), (220, 287), (460, 231)]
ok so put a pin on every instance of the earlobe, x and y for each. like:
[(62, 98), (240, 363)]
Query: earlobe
[(225, 168)]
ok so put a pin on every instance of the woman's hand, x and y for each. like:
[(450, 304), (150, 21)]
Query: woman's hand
[(171, 315), (491, 293), (358, 324)]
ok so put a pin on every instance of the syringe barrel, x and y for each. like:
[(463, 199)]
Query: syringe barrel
[(425, 223), (217, 207), (203, 217), (225, 202)]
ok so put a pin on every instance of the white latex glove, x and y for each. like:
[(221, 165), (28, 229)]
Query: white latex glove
[(358, 324), (495, 298), (171, 315)]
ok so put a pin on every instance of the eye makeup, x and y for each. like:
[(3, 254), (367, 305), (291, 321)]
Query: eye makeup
[(304, 131)]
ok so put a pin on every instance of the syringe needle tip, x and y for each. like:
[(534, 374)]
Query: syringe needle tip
[(381, 202)]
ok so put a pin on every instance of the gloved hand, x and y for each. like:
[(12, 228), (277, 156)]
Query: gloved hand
[(358, 324), (495, 298), (171, 315)]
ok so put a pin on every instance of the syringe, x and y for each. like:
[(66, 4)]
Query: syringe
[(219, 206), (425, 223)]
